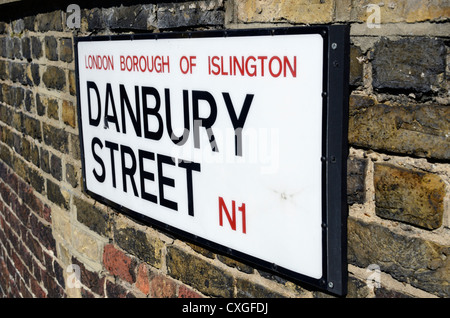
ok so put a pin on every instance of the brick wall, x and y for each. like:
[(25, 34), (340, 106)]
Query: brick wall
[(398, 168)]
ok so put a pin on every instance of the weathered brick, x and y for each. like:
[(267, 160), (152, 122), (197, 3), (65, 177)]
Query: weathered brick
[(17, 48), (6, 155), (115, 290), (235, 264), (417, 261), (58, 270), (249, 289), (17, 26), (128, 18), (51, 285), (55, 137), (72, 175), (26, 48), (17, 123), (402, 11), (4, 27), (75, 148), (29, 151), (26, 192), (54, 78), (162, 287), (384, 292), (43, 232), (8, 47), (17, 96), (356, 66), (29, 22), (171, 15), (72, 83), (37, 289), (29, 174), (198, 273), (47, 105), (119, 264), (419, 70), (56, 167), (32, 127), (33, 73), (185, 292), (29, 101), (51, 48), (419, 130), (4, 70), (36, 47), (6, 94), (65, 50), (356, 176), (51, 21), (53, 109), (45, 160), (57, 195), (294, 11), (93, 19), (36, 180), (410, 196), (90, 279), (94, 218), (69, 114), (139, 244), (142, 279)]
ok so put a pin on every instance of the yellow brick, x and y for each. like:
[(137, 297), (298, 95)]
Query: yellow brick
[(395, 11), (86, 244), (293, 11), (68, 113)]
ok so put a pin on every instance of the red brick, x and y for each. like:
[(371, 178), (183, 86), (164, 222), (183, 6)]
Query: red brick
[(4, 276), (142, 279), (34, 203), (162, 287), (37, 290), (118, 264), (184, 292)]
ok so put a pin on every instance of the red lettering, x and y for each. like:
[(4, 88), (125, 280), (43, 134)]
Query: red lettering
[(253, 66), (280, 68), (99, 62), (288, 64), (215, 58), (232, 218), (134, 63)]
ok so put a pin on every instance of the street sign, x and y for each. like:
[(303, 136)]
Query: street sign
[(234, 139)]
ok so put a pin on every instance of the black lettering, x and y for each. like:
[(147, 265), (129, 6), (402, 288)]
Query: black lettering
[(112, 146), (238, 122), (156, 135), (145, 175), (184, 137), (162, 180), (205, 122), (135, 117), (99, 177), (110, 118), (128, 171), (93, 121), (190, 166)]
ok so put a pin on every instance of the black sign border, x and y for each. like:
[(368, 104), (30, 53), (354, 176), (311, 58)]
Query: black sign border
[(334, 154)]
